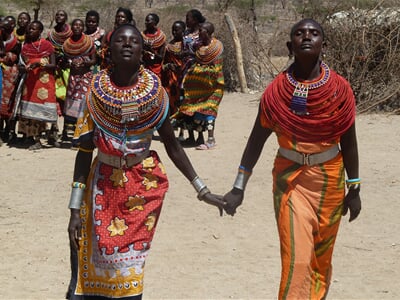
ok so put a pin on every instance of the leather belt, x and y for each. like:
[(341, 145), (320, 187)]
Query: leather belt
[(309, 159), (120, 161)]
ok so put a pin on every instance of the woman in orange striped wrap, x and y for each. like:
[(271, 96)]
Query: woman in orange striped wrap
[(312, 111)]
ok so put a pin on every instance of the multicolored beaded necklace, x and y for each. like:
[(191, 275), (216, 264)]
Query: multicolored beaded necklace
[(155, 40), (81, 47), (175, 48), (58, 38), (122, 112), (298, 103), (206, 54)]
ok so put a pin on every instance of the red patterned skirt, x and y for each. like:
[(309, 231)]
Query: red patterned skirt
[(119, 217)]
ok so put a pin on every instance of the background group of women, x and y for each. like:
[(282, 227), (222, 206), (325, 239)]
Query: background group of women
[(45, 78)]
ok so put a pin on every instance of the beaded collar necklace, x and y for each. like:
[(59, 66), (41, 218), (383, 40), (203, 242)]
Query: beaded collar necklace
[(130, 110), (155, 40), (175, 48), (128, 102), (298, 104), (81, 47), (58, 38), (206, 54)]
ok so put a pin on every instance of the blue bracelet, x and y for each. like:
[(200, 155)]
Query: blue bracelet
[(245, 169), (353, 180)]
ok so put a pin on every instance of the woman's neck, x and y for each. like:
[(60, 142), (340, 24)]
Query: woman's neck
[(76, 37), (21, 30), (123, 77), (304, 71), (59, 27), (207, 41)]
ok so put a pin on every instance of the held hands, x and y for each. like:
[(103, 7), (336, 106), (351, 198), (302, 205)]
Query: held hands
[(233, 200), (352, 202), (229, 202), (215, 200)]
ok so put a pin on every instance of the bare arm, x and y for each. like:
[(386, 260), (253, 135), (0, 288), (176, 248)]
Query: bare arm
[(83, 162), (182, 162), (251, 154), (349, 147)]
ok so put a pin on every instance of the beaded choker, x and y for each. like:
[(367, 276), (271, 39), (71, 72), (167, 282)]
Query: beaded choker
[(122, 111), (298, 104)]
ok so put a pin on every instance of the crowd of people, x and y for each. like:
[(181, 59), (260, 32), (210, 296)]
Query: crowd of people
[(115, 89), (45, 79)]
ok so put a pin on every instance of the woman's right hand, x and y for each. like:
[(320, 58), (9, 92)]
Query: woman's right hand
[(233, 200), (74, 228)]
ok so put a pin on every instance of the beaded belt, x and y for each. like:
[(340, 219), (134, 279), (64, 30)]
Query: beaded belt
[(120, 161), (309, 159)]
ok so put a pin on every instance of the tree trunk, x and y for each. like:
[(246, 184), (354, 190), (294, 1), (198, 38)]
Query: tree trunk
[(238, 51)]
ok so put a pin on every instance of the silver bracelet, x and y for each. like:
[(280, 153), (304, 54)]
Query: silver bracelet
[(204, 191), (241, 180), (76, 198), (198, 184)]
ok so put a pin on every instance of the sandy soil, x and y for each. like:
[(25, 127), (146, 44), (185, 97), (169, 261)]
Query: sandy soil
[(196, 254)]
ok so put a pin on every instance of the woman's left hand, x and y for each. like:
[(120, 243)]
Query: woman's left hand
[(215, 200), (352, 202)]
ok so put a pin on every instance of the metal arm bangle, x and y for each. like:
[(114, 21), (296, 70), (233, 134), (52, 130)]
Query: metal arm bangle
[(76, 198), (241, 180), (198, 184), (204, 191)]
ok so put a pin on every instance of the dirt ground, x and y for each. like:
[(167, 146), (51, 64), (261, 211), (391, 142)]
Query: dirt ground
[(196, 254)]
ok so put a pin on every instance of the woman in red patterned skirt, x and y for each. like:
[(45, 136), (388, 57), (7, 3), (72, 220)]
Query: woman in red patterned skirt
[(116, 200), (79, 55), (38, 101)]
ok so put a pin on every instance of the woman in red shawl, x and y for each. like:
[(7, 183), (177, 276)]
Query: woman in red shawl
[(312, 111), (154, 45), (38, 101)]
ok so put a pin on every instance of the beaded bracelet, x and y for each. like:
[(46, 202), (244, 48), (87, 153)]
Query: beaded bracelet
[(244, 169), (354, 181), (242, 178), (353, 184), (78, 185)]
